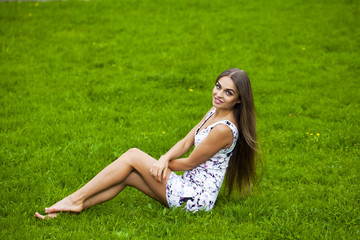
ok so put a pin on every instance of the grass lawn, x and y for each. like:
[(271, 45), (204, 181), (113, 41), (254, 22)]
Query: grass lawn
[(83, 81)]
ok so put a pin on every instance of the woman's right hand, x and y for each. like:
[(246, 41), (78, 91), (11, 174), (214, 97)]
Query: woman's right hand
[(158, 169)]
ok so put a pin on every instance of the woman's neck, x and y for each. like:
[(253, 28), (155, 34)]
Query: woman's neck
[(223, 113)]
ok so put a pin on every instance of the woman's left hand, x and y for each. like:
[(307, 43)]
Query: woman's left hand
[(158, 169)]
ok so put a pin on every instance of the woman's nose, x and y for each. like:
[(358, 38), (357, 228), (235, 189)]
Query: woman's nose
[(219, 94)]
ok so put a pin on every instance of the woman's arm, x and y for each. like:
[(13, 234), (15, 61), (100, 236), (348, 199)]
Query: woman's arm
[(219, 137), (183, 146), (159, 168)]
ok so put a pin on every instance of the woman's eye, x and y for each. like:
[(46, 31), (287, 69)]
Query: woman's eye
[(218, 86), (228, 93)]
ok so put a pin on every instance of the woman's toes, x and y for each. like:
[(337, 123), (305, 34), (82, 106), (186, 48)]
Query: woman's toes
[(38, 215), (45, 217)]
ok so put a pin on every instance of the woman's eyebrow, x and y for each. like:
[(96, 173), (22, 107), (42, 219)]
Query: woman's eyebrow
[(230, 89)]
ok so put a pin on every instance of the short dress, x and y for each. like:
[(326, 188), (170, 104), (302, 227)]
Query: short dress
[(199, 187)]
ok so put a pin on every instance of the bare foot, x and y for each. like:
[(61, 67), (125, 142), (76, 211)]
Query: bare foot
[(66, 205), (47, 216)]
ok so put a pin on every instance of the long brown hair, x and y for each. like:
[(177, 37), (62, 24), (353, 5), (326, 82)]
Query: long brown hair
[(242, 168)]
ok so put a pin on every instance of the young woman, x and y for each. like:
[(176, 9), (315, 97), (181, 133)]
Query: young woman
[(225, 139)]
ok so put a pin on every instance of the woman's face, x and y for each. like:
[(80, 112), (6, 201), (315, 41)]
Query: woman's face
[(225, 94)]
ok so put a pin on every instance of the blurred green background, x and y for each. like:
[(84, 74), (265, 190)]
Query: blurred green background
[(83, 81)]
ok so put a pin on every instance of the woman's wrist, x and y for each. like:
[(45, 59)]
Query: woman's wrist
[(165, 158)]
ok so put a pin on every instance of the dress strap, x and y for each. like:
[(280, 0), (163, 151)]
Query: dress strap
[(207, 118), (210, 114)]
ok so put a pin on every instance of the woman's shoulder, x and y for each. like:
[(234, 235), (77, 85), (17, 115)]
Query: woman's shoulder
[(228, 124), (221, 128), (225, 126), (223, 132)]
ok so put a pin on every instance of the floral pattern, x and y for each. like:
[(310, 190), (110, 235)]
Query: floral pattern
[(198, 188)]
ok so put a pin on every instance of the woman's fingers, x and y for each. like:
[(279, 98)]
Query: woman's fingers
[(164, 173), (158, 175), (158, 169), (158, 172)]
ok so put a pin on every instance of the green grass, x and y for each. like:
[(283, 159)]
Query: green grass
[(83, 81)]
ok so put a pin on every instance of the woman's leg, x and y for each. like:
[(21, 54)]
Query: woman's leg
[(133, 180), (111, 179)]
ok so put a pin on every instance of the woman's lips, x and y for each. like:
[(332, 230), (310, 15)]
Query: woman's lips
[(217, 101)]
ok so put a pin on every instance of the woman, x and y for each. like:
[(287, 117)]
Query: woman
[(224, 138)]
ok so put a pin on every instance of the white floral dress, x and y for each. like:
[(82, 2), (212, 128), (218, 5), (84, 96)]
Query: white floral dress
[(199, 187)]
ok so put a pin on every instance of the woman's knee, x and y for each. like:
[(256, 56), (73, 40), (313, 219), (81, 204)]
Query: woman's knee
[(131, 155), (133, 151)]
